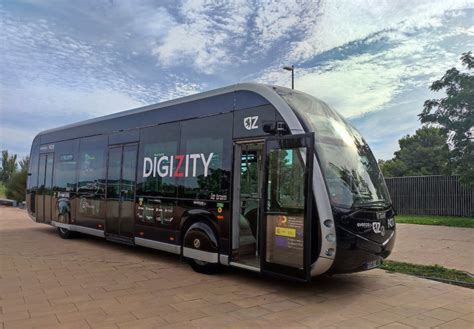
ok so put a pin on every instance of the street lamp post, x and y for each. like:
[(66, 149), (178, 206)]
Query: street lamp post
[(292, 69)]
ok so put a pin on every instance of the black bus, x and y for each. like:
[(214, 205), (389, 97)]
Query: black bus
[(254, 176)]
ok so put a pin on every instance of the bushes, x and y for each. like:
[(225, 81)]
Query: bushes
[(16, 186), (13, 180)]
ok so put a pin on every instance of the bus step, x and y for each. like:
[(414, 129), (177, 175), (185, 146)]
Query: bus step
[(120, 239)]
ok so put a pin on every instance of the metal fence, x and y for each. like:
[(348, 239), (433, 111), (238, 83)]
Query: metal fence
[(431, 195)]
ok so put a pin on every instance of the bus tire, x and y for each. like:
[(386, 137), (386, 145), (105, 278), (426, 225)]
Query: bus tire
[(64, 233), (203, 267), (201, 232)]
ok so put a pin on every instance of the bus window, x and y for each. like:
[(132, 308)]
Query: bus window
[(65, 166), (285, 207), (92, 176), (249, 172), (155, 177), (158, 144), (288, 166), (206, 167)]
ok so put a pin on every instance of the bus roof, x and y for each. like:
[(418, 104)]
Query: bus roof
[(222, 100)]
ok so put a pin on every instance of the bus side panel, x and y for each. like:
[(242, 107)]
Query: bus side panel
[(32, 183), (247, 99), (156, 189), (211, 138), (184, 173)]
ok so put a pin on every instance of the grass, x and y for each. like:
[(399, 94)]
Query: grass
[(436, 220), (2, 191), (433, 272)]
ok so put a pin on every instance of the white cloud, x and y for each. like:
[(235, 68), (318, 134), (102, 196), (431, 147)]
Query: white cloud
[(51, 106), (206, 36), (55, 99), (16, 140), (369, 81), (276, 20), (344, 22)]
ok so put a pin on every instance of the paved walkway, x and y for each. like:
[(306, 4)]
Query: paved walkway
[(47, 282), (451, 247)]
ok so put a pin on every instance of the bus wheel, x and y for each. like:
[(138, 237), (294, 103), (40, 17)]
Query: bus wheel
[(64, 232), (200, 248)]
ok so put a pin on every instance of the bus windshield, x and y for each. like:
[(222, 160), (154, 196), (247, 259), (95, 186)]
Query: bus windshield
[(353, 177)]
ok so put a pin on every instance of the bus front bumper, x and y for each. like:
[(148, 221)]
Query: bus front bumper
[(356, 253)]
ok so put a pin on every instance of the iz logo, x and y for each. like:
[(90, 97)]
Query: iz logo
[(250, 123), (378, 228)]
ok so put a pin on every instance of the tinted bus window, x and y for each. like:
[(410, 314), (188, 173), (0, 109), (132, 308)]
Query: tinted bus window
[(65, 166), (158, 150), (91, 168), (206, 151)]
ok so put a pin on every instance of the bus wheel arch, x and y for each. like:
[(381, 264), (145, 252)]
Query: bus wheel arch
[(201, 246), (64, 233)]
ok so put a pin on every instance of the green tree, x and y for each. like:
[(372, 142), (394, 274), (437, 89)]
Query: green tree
[(16, 185), (24, 163), (8, 166), (392, 167), (424, 153), (454, 113)]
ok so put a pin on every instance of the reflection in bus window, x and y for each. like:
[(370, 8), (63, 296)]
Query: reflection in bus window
[(158, 142), (249, 172), (91, 173), (286, 168), (203, 141), (65, 166), (350, 169)]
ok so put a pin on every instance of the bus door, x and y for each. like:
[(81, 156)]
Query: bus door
[(45, 180), (121, 181), (286, 206)]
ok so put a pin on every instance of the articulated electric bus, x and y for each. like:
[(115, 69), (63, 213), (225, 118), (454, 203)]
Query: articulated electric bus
[(253, 176)]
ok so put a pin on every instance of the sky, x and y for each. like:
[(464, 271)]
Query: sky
[(373, 61)]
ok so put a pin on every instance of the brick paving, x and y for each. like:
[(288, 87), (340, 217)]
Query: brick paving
[(450, 247), (47, 282)]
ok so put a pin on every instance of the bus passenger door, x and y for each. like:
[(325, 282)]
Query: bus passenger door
[(121, 180), (286, 206), (45, 180)]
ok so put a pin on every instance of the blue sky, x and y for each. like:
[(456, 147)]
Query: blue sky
[(373, 61)]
